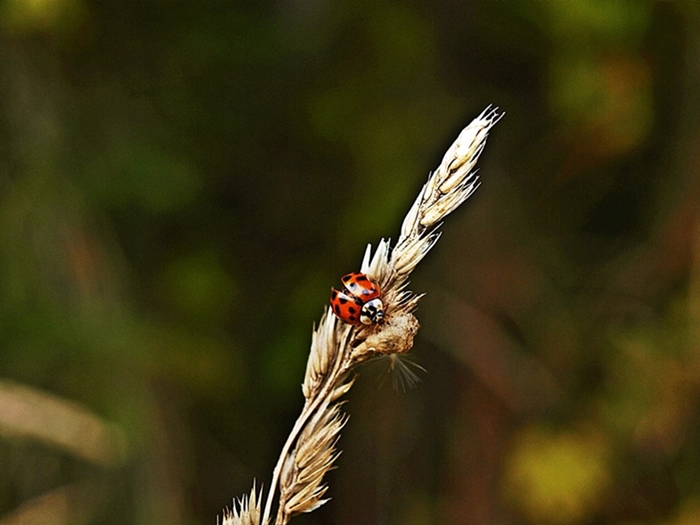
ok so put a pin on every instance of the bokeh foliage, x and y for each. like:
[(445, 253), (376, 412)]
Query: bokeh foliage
[(181, 183)]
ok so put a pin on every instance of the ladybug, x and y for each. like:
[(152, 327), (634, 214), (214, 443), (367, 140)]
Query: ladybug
[(359, 302)]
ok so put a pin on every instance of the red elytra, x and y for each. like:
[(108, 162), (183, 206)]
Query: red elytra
[(346, 307), (360, 285), (359, 302)]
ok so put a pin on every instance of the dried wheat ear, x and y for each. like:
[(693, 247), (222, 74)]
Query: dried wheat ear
[(336, 347)]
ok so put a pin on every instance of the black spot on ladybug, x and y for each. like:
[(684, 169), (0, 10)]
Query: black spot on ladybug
[(334, 294), (361, 277), (352, 309), (343, 300)]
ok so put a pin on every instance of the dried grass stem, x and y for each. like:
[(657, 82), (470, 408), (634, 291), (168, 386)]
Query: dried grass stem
[(336, 348)]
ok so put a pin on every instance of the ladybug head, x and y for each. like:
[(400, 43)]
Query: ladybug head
[(372, 312)]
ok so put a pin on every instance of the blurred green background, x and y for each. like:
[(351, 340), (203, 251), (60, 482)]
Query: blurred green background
[(181, 183)]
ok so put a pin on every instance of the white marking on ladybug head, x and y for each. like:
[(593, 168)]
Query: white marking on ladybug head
[(372, 312)]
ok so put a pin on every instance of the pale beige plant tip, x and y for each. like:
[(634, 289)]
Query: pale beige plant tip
[(247, 512), (336, 347)]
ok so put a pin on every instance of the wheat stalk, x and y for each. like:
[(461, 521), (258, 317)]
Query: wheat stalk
[(336, 347)]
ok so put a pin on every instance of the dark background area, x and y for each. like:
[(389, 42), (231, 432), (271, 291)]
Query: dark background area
[(181, 184)]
